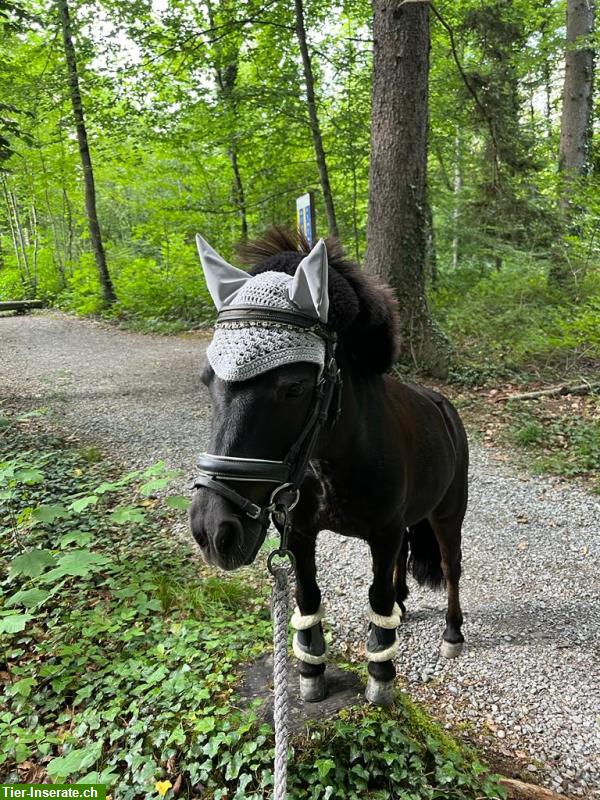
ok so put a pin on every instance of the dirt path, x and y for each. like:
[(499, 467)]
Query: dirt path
[(528, 685)]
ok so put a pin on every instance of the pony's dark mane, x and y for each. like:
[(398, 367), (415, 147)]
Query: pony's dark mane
[(362, 311)]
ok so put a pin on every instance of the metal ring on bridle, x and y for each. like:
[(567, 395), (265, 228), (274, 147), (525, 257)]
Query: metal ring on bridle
[(280, 553), (283, 488)]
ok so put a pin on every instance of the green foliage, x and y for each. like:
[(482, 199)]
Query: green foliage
[(512, 321), (123, 653), (561, 444)]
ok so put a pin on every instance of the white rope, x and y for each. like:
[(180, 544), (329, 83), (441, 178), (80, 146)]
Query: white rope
[(280, 682)]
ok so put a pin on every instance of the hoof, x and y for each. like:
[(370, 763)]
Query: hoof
[(380, 693), (451, 649), (313, 690)]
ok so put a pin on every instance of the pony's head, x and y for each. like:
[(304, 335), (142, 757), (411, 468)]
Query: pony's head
[(266, 368)]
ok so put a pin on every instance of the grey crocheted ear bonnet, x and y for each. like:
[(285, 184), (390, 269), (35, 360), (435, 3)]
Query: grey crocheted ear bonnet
[(241, 350)]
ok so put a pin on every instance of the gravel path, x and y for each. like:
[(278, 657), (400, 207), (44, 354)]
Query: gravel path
[(528, 685)]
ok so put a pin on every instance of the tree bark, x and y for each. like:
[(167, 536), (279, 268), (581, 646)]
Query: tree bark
[(108, 292), (397, 224), (575, 123), (576, 118), (315, 127)]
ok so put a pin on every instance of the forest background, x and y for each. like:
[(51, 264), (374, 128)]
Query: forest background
[(199, 117)]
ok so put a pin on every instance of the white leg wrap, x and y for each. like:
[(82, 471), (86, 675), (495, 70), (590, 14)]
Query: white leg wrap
[(384, 655), (307, 657), (385, 622), (302, 623)]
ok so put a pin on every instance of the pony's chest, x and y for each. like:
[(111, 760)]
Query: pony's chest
[(342, 507)]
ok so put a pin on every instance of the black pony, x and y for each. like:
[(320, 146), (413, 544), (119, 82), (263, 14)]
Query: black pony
[(392, 470)]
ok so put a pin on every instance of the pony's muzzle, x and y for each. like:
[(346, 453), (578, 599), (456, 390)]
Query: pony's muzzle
[(225, 539)]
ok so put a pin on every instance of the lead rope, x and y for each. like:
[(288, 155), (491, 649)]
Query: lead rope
[(280, 610), (280, 680)]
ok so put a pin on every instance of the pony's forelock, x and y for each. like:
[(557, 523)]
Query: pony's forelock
[(363, 311)]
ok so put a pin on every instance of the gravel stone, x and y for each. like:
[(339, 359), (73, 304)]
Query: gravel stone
[(527, 685)]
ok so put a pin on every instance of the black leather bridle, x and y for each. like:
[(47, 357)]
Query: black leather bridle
[(217, 471)]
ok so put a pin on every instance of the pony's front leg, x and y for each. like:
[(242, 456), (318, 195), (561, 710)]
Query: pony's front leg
[(309, 642), (384, 618)]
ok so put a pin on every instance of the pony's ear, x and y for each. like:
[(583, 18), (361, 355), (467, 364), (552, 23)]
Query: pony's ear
[(222, 280), (309, 289)]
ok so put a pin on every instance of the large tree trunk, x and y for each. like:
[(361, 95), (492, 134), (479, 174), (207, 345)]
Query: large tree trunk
[(576, 119), (315, 128), (397, 225), (108, 292)]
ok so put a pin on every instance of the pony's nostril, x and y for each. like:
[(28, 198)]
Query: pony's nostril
[(200, 536), (226, 534)]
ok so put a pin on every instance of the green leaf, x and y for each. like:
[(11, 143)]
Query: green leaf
[(23, 687), (75, 761), (324, 766), (127, 514), (14, 623), (108, 487), (30, 598), (84, 502), (50, 513), (29, 476), (32, 563), (152, 486), (81, 562), (177, 501), (82, 538)]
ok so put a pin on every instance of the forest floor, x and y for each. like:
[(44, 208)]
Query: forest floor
[(527, 688)]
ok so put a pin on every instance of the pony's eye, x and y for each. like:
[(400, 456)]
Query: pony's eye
[(293, 390)]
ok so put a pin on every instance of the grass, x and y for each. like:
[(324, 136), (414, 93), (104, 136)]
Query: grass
[(121, 653)]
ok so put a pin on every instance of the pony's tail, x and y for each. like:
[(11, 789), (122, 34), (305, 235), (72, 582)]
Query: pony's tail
[(425, 561)]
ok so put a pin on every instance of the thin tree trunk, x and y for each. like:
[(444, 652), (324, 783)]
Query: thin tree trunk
[(575, 123), (69, 236), (13, 231), (21, 239), (457, 187), (431, 270), (315, 128), (34, 235), (240, 195), (397, 225), (108, 292)]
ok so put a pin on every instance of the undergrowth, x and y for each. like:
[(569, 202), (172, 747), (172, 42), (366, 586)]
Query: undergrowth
[(511, 324), (563, 444), (121, 654)]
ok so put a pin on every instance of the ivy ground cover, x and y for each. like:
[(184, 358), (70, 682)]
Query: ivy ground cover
[(120, 653)]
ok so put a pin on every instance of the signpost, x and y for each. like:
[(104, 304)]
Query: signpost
[(305, 217)]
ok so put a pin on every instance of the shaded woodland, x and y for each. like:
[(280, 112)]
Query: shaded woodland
[(125, 127)]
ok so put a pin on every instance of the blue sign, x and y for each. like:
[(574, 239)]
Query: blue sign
[(305, 217)]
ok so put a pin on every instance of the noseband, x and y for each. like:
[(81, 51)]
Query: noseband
[(287, 475)]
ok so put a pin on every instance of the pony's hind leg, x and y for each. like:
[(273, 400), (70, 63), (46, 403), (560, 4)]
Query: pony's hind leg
[(448, 535), (309, 642), (384, 617)]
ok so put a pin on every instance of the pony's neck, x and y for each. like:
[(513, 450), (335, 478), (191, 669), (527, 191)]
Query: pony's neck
[(363, 398)]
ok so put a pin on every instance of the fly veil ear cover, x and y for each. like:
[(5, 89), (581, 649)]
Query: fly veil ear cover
[(242, 350)]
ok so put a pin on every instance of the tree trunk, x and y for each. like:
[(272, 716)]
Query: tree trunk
[(13, 231), (575, 124), (397, 224), (456, 199), (315, 128), (240, 196), (576, 121), (108, 292)]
